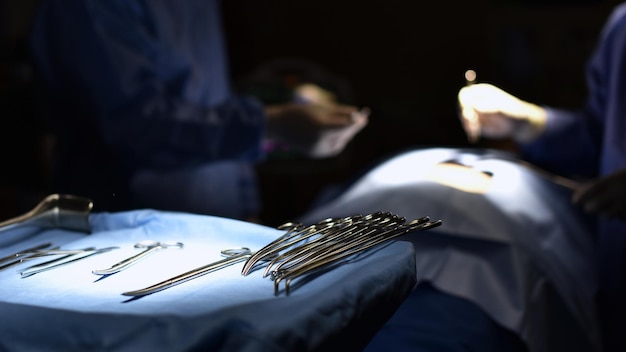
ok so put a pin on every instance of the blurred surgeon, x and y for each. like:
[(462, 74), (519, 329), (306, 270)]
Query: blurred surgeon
[(588, 145), (139, 97)]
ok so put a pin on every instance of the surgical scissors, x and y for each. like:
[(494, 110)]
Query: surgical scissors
[(232, 256), (150, 247)]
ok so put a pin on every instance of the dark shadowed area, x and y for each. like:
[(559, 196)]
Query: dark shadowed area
[(404, 60)]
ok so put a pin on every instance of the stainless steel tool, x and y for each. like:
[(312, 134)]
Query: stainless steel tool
[(149, 246), (62, 211), (52, 264), (233, 256)]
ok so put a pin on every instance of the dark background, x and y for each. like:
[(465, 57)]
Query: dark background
[(403, 59)]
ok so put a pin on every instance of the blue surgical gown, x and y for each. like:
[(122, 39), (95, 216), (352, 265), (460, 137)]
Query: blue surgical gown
[(592, 143), (138, 86)]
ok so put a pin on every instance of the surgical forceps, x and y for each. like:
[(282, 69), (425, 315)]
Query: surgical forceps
[(38, 252), (232, 256), (18, 257), (295, 232), (306, 249), (150, 247), (332, 254), (38, 268), (25, 252)]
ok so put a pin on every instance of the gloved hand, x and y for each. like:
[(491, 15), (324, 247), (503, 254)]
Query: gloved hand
[(316, 130), (605, 196), (312, 93), (489, 111)]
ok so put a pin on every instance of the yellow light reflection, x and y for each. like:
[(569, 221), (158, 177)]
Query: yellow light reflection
[(460, 177)]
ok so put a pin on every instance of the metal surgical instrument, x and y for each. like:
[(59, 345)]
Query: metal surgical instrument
[(232, 256), (56, 251), (38, 268), (25, 252), (40, 251), (20, 257), (61, 211), (306, 249), (150, 247), (340, 252)]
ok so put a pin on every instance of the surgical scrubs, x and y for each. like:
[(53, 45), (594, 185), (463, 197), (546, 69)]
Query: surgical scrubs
[(139, 97), (592, 143)]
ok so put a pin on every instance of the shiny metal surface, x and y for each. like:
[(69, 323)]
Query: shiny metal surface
[(233, 256), (55, 211), (52, 264), (150, 247)]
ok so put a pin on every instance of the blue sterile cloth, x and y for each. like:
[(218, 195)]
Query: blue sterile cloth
[(69, 308), (513, 247), (430, 320)]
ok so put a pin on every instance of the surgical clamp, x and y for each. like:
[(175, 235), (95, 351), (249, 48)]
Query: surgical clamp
[(232, 256), (151, 247), (21, 254), (38, 268)]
